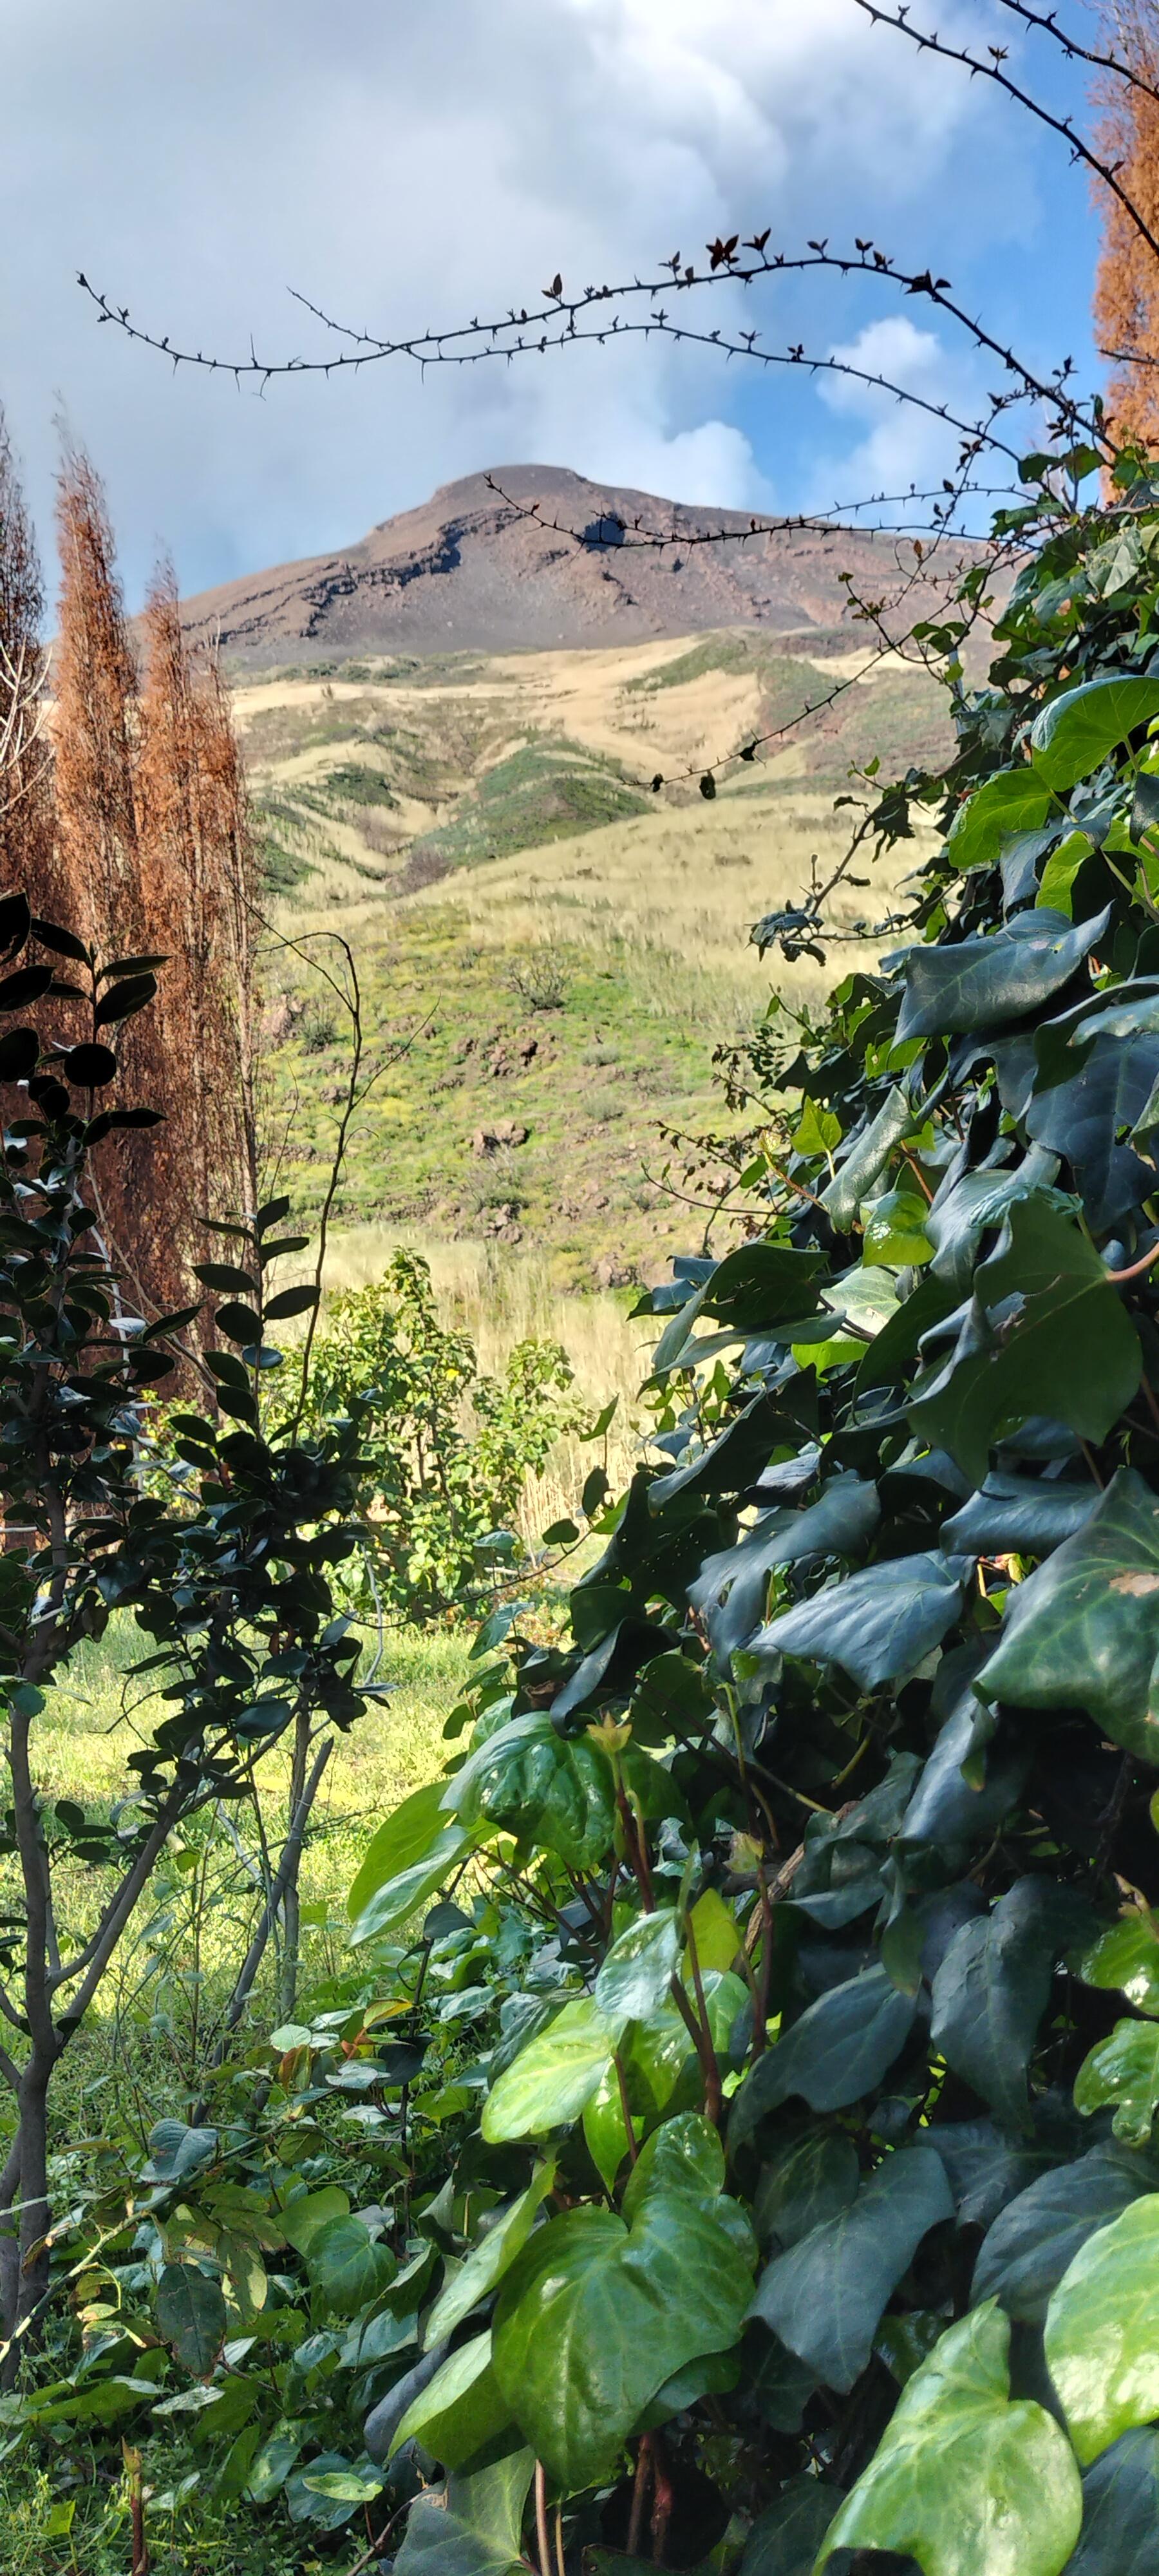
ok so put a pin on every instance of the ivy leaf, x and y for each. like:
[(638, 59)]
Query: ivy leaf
[(967, 984), (487, 2261), (991, 1992), (553, 2077), (460, 2410), (1014, 800), (804, 2184), (346, 2266), (866, 1158), (639, 1967), (785, 2540), (731, 1589), (1067, 1349), (473, 2528), (596, 2317), (838, 2050), (191, 2316), (1084, 1120), (1125, 1960), (1123, 2071), (962, 2479), (878, 1625), (1083, 1632), (1120, 2510), (1079, 730), (542, 1787), (1019, 1515), (824, 2297), (1035, 2238), (1101, 2347)]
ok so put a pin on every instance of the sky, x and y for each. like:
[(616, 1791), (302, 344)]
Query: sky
[(409, 165)]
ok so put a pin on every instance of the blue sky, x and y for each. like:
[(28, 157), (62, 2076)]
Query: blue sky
[(410, 164)]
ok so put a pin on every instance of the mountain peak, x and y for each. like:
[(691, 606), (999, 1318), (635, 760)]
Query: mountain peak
[(466, 571)]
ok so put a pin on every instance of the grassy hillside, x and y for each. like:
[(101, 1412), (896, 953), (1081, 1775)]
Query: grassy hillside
[(549, 951)]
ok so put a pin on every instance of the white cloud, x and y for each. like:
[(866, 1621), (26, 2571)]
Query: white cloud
[(903, 443), (410, 165)]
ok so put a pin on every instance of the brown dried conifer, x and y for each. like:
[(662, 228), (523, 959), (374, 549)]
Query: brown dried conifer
[(1127, 285), (26, 822)]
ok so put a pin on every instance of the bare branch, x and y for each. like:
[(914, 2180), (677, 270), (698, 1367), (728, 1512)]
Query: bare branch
[(991, 70)]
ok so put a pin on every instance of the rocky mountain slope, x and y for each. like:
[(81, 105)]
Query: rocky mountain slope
[(468, 571)]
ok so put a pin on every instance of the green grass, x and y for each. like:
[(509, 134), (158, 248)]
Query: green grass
[(546, 791)]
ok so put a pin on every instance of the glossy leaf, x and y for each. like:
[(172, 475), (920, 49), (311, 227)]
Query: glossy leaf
[(639, 1967), (596, 2317), (1037, 2235), (968, 984), (963, 2479), (346, 2265), (991, 1991), (461, 2408), (731, 1589), (1101, 2347), (824, 2296), (473, 2527), (1125, 1960), (1068, 1349), (878, 1625), (553, 2077), (1122, 2073), (405, 1839), (485, 2265), (838, 2050), (542, 1787), (1083, 1632), (1013, 801), (1077, 731), (1088, 1117), (394, 1905)]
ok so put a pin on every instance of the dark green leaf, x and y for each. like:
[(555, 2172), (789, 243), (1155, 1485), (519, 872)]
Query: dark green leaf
[(732, 1588), (1019, 1515), (19, 1054), (543, 1787), (991, 1992), (972, 984), (878, 1625), (1036, 2236), (1083, 1632), (239, 1324), (784, 2541), (88, 1067), (123, 1000), (975, 1204), (63, 943), (346, 2266), (25, 986), (838, 2050), (824, 2296), (807, 2182), (291, 1301), (191, 2316), (1120, 2534), (474, 2530), (1085, 1117), (228, 1282), (1068, 1349)]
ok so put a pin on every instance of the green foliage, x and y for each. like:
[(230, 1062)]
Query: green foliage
[(444, 1453), (758, 2015)]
